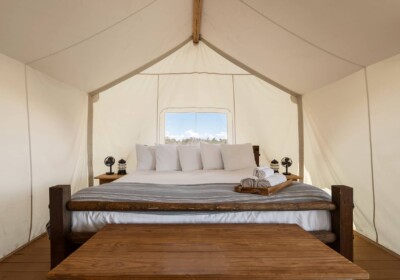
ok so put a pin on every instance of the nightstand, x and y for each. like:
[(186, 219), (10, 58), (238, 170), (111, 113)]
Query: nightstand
[(293, 177), (104, 178)]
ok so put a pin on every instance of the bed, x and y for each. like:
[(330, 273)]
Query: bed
[(150, 197)]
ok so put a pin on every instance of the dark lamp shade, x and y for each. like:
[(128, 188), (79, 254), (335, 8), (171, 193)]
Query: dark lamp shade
[(121, 167), (275, 166)]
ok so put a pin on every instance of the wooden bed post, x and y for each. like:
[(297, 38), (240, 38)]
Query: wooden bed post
[(60, 223), (256, 151), (342, 220)]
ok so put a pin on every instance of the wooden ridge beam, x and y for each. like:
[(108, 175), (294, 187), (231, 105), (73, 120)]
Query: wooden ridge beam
[(197, 10)]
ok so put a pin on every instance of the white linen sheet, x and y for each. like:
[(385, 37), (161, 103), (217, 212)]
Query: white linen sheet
[(90, 221)]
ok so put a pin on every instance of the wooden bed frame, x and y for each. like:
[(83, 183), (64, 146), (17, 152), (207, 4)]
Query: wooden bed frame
[(63, 241)]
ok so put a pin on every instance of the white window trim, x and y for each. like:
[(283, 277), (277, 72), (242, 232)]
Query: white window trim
[(229, 118)]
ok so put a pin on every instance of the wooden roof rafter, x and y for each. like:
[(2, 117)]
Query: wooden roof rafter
[(197, 11)]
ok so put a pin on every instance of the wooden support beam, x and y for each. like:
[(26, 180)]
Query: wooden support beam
[(342, 220), (197, 10), (60, 223)]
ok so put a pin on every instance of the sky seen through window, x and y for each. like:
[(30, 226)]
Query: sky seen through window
[(182, 128)]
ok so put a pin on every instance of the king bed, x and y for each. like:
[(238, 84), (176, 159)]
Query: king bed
[(202, 196)]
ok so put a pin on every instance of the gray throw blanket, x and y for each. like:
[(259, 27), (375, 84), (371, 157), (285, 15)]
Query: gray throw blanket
[(196, 194)]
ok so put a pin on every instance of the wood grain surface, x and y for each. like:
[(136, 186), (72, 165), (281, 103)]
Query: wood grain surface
[(74, 205), (205, 251), (264, 190), (342, 220)]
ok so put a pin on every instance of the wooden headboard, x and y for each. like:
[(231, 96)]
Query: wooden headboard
[(256, 151)]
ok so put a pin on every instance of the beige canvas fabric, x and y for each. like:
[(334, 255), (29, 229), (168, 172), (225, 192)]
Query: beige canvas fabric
[(194, 79), (43, 143), (352, 136), (341, 56)]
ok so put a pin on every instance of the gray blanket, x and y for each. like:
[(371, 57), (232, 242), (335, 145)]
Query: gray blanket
[(196, 194)]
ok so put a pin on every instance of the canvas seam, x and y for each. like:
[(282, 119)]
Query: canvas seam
[(30, 153), (371, 155), (234, 108), (300, 125), (90, 141), (157, 114)]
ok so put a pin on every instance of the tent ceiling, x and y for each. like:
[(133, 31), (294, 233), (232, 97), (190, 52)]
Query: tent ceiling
[(307, 44), (85, 45), (362, 32), (31, 30), (302, 45)]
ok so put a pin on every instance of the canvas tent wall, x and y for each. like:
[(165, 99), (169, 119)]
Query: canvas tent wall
[(322, 49), (193, 79), (352, 137), (43, 143)]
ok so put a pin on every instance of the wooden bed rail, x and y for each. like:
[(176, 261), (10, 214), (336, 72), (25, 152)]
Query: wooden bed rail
[(62, 245)]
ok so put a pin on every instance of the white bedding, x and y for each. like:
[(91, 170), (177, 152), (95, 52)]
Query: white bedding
[(94, 221), (187, 178), (83, 221)]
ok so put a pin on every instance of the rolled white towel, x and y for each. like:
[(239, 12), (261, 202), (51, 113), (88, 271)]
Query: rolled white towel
[(248, 182), (262, 183), (276, 179), (263, 172)]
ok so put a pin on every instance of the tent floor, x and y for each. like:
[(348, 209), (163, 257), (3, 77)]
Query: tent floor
[(33, 261)]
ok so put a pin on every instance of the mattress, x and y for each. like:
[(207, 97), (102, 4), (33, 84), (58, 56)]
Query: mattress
[(91, 221)]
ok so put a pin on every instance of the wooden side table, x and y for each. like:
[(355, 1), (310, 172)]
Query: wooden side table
[(293, 177), (104, 178)]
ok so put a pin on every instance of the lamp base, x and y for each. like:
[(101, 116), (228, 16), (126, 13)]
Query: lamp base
[(110, 173), (287, 173), (121, 172)]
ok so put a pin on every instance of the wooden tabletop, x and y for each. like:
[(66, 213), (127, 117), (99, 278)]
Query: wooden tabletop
[(293, 177), (114, 176), (205, 251)]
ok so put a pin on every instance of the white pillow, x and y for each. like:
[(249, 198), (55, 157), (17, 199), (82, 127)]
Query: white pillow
[(238, 156), (190, 157), (167, 158), (146, 157), (211, 156)]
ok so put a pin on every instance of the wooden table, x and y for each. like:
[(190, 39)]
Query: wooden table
[(205, 251), (105, 178), (293, 177)]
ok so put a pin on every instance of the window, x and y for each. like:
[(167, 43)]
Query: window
[(195, 127)]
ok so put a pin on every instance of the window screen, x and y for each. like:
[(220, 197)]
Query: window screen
[(195, 127)]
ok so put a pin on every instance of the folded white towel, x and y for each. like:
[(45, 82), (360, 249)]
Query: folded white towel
[(276, 179), (262, 183), (263, 172), (248, 182)]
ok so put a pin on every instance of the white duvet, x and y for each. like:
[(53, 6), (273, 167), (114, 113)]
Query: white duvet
[(84, 221)]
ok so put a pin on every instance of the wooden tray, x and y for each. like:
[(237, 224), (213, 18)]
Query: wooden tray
[(264, 191)]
